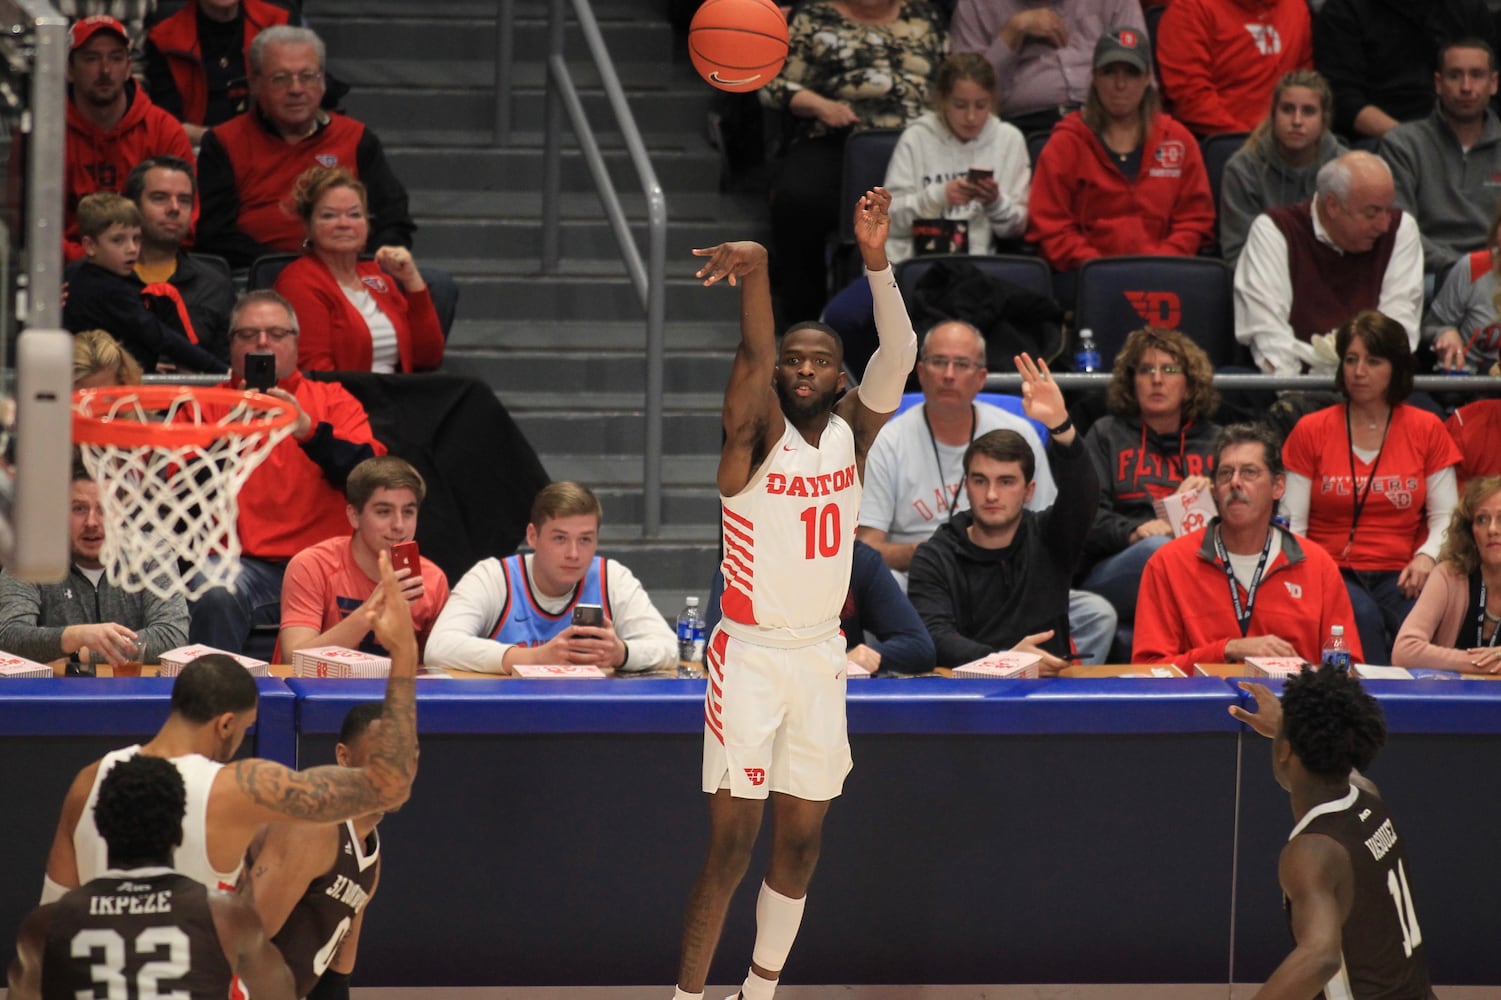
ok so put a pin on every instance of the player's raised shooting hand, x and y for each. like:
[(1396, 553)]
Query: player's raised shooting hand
[(730, 260), (872, 225)]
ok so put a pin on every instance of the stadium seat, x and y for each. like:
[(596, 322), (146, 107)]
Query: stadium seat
[(265, 270), (1217, 150), (866, 155), (1193, 294)]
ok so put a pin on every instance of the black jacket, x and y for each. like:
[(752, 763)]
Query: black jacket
[(975, 601), (101, 300)]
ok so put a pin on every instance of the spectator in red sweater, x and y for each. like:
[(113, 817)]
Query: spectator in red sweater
[(1119, 177), (112, 124), (295, 497), (1219, 59), (356, 315)]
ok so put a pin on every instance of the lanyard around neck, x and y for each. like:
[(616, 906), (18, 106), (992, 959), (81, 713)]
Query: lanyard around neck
[(974, 422), (1243, 614), (1361, 495)]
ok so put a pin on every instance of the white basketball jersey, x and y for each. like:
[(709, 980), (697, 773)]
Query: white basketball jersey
[(789, 538), (191, 857)]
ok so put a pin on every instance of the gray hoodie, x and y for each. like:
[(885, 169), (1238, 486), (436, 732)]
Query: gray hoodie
[(1257, 179), (1450, 191), (33, 616)]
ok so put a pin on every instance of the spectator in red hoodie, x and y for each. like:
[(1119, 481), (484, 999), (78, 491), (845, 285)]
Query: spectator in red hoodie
[(1119, 177), (112, 124), (1219, 59)]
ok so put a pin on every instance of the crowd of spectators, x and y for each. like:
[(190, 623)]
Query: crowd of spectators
[(1060, 128)]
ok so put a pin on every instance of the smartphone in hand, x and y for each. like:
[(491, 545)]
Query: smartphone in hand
[(404, 556), (977, 174), (590, 615), (260, 370)]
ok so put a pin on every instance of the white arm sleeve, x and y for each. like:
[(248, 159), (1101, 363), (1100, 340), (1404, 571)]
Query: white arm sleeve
[(1294, 503), (886, 372), (1443, 494), (459, 637)]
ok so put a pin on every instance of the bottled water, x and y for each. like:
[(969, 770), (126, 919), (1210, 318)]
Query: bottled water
[(1087, 357), (690, 640), (1336, 652)]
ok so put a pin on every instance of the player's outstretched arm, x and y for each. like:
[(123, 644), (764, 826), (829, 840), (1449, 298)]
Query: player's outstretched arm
[(251, 954), (752, 418), (868, 408), (62, 861), (281, 863), (271, 791), (1316, 878), (349, 948), (25, 974)]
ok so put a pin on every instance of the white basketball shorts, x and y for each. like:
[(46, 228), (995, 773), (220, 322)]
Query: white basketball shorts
[(774, 719)]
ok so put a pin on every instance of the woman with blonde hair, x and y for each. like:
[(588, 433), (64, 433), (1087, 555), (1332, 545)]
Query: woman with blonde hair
[(99, 361), (1280, 159), (1158, 440), (355, 315), (1456, 623)]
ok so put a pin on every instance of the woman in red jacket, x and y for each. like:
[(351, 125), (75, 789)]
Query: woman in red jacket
[(354, 315), (1118, 177)]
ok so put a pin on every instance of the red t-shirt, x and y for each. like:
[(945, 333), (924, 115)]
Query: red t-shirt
[(323, 586), (1476, 429), (1393, 522)]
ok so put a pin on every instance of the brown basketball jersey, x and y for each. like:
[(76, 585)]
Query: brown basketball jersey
[(1383, 956), (138, 934), (321, 918)]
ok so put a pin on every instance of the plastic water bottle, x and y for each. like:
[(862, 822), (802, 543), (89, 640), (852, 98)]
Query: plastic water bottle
[(1336, 652), (690, 640), (1087, 357)]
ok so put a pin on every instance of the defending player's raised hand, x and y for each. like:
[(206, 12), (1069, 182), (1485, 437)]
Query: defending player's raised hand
[(872, 226), (1267, 718), (730, 260), (1041, 398)]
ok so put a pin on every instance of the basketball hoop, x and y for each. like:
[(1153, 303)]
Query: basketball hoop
[(170, 461)]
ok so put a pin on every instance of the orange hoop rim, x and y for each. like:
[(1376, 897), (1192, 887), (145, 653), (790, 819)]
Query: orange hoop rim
[(100, 428)]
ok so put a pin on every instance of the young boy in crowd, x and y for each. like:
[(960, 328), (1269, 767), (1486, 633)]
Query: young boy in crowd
[(101, 294)]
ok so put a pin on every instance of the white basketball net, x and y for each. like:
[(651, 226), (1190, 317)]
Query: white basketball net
[(167, 503)]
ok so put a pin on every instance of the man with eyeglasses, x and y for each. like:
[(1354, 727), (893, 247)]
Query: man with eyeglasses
[(915, 471), (247, 167), (295, 497), (1308, 267), (112, 124), (1243, 586)]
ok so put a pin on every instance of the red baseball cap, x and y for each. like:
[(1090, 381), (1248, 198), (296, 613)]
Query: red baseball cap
[(88, 27)]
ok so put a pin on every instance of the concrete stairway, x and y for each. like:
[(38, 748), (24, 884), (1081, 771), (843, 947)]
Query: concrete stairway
[(564, 352)]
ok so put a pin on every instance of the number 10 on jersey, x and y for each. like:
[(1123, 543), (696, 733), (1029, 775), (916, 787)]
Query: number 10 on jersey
[(821, 531)]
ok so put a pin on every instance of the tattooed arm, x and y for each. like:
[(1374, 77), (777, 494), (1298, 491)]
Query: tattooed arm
[(268, 791)]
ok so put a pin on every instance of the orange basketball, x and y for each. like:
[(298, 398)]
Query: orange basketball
[(738, 45)]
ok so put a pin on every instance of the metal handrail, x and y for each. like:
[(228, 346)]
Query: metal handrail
[(649, 278)]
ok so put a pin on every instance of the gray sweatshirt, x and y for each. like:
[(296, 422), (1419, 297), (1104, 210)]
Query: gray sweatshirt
[(1451, 192), (1257, 179), (33, 616)]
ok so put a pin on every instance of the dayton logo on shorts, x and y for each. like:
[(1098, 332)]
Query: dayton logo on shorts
[(1162, 309), (756, 776)]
